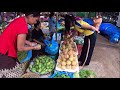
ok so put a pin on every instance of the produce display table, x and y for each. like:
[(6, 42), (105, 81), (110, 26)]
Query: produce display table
[(60, 73)]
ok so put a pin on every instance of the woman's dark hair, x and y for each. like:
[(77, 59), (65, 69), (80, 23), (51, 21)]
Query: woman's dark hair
[(51, 14), (37, 24), (35, 14)]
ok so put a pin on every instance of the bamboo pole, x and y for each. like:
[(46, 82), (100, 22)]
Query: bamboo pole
[(56, 24)]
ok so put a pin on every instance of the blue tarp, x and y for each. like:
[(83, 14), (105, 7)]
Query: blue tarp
[(111, 30), (108, 29)]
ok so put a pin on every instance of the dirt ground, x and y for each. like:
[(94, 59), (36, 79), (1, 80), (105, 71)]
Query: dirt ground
[(106, 59)]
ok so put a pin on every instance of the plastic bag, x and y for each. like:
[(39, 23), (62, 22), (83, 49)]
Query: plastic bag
[(60, 73), (109, 29), (29, 56), (51, 47)]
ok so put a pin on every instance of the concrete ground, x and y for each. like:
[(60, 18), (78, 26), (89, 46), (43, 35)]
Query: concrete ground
[(106, 59)]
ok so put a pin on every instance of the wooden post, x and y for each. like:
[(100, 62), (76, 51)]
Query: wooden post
[(56, 24)]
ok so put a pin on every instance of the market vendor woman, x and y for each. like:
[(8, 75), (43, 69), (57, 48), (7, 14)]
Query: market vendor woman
[(14, 38), (90, 33), (38, 37)]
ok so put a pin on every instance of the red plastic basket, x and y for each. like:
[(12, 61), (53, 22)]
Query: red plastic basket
[(79, 47)]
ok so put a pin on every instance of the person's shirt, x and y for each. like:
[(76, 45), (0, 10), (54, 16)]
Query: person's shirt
[(52, 22), (37, 34), (78, 25), (8, 39)]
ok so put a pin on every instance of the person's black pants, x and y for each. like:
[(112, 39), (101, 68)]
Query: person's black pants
[(87, 50)]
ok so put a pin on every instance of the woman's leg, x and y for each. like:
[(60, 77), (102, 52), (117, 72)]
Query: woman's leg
[(84, 51), (91, 49), (87, 50)]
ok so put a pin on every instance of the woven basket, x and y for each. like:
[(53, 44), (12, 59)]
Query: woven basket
[(30, 75)]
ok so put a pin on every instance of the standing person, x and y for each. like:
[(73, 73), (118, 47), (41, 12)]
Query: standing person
[(90, 33), (14, 38), (52, 23)]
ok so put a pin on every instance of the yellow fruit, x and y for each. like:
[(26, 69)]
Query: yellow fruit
[(63, 47), (70, 59), (74, 55), (67, 56), (70, 52), (63, 59), (74, 63), (74, 58), (59, 65), (73, 67), (58, 61), (63, 67), (68, 62), (66, 50), (68, 67), (63, 63), (62, 56)]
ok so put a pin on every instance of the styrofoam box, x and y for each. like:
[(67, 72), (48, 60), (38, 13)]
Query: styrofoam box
[(68, 70)]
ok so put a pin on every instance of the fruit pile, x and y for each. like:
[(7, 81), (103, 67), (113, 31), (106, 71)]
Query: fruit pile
[(42, 65), (67, 56)]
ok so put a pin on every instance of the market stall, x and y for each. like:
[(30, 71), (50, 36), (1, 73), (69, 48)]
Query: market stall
[(64, 66), (61, 60)]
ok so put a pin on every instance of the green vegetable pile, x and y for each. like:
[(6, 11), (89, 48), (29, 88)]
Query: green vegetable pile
[(42, 65), (76, 75), (21, 55), (62, 76), (87, 74)]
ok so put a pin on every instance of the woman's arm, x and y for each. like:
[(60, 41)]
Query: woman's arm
[(38, 42), (30, 43), (89, 27), (21, 40)]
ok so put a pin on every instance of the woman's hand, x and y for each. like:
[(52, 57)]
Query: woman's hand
[(37, 47), (96, 29), (30, 43), (33, 44)]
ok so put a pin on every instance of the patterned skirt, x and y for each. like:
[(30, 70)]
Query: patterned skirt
[(10, 67)]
